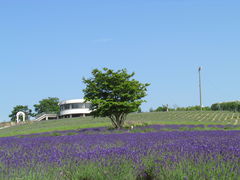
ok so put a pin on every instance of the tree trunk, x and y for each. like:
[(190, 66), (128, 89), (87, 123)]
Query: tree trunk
[(118, 120), (113, 121)]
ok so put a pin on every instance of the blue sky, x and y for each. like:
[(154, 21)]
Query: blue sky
[(46, 47)]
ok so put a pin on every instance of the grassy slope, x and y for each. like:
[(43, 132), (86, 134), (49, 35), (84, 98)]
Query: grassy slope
[(150, 118)]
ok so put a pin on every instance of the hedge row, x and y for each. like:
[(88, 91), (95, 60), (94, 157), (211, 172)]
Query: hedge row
[(226, 106), (193, 108), (189, 108)]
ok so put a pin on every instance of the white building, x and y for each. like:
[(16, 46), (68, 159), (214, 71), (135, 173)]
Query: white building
[(74, 108)]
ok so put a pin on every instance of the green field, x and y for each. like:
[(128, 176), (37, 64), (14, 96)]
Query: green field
[(173, 117)]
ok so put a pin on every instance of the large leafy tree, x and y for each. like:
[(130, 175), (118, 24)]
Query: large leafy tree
[(22, 108), (48, 105), (114, 94)]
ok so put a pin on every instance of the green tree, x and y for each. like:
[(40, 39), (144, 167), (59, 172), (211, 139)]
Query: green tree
[(48, 105), (226, 106), (22, 108), (114, 94), (139, 110), (151, 109)]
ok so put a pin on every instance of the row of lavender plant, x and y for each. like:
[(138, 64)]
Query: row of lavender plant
[(141, 128), (156, 155)]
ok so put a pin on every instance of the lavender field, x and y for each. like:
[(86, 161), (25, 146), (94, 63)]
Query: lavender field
[(99, 153)]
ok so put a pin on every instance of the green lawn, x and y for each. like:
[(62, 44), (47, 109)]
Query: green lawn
[(174, 117)]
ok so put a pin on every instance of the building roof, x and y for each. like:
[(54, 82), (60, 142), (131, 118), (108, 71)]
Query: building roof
[(71, 101)]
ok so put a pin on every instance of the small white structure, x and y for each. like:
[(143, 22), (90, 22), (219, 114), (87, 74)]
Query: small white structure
[(20, 113), (74, 108)]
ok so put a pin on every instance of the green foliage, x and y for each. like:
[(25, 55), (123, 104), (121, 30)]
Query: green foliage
[(56, 134), (121, 170), (139, 110), (16, 109), (188, 169), (151, 110), (163, 108), (160, 109), (193, 108), (154, 167), (114, 94), (226, 106), (47, 105)]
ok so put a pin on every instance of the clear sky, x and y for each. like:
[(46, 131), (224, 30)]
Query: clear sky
[(47, 47)]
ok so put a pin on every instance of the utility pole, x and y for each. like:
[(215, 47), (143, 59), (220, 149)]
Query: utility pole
[(200, 87)]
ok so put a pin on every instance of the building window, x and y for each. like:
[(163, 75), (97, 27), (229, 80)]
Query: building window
[(66, 106), (77, 105)]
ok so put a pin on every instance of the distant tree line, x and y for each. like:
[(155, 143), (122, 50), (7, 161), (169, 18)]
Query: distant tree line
[(226, 106), (166, 108), (163, 108), (193, 108)]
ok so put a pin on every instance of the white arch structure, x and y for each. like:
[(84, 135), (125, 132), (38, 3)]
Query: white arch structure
[(21, 114)]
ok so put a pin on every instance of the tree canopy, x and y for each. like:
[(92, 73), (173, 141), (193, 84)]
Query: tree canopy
[(114, 94), (22, 108), (48, 105)]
